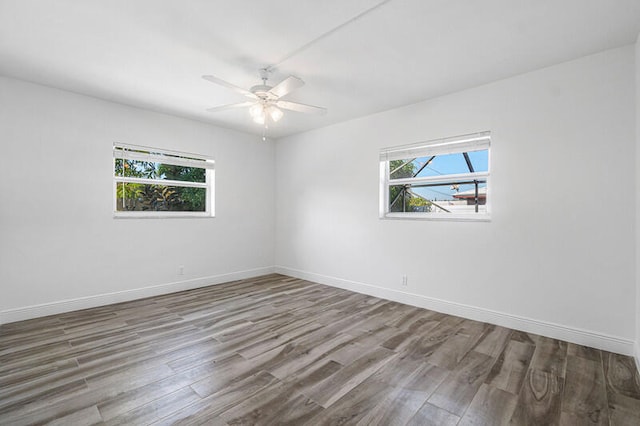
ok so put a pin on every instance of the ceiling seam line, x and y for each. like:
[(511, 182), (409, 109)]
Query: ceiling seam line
[(324, 35)]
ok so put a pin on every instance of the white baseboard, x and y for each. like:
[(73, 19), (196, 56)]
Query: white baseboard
[(529, 325), (557, 331), (60, 306)]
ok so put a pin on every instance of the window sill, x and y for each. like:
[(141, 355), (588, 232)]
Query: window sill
[(162, 215), (480, 217)]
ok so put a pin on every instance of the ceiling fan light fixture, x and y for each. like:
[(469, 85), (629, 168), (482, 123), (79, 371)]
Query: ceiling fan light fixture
[(256, 110), (260, 118), (275, 113)]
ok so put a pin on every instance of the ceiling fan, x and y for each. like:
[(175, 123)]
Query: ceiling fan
[(266, 101)]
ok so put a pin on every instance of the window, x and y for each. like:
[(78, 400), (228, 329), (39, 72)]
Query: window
[(440, 179), (149, 182)]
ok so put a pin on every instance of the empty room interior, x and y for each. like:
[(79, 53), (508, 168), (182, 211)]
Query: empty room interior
[(372, 212)]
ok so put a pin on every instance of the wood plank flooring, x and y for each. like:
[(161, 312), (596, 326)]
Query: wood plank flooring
[(278, 350)]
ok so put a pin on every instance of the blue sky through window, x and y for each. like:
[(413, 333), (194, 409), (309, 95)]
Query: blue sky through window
[(446, 165), (449, 164)]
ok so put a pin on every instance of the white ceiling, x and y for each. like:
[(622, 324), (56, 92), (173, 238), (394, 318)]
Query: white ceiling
[(152, 53)]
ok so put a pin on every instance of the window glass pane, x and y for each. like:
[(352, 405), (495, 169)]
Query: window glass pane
[(446, 164), (399, 169), (158, 198), (480, 160), (151, 170), (453, 197), (438, 165), (403, 200)]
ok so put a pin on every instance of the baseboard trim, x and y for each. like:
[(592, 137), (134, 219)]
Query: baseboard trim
[(557, 331), (61, 306)]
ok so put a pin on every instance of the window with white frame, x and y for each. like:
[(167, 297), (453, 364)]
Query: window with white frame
[(150, 182), (444, 178)]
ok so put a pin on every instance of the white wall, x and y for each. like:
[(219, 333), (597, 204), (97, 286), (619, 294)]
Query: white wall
[(566, 132), (58, 239), (637, 191), (562, 267)]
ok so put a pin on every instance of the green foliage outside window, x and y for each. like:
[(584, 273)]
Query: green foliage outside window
[(158, 197), (398, 192)]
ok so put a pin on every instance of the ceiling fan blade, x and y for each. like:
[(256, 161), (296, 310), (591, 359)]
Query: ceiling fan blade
[(287, 85), (295, 106), (230, 106), (228, 85)]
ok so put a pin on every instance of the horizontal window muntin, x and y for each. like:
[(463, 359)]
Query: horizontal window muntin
[(164, 182), (149, 182), (445, 178), (439, 179)]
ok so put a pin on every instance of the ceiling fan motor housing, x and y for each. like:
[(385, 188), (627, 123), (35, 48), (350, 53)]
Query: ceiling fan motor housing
[(262, 91)]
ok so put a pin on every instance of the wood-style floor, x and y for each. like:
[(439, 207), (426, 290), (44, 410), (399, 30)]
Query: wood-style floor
[(277, 350)]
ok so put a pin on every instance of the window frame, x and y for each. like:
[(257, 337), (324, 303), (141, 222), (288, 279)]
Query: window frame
[(450, 145), (164, 156)]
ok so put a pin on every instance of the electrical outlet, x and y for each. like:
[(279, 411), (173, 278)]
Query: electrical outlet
[(181, 270), (404, 280)]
